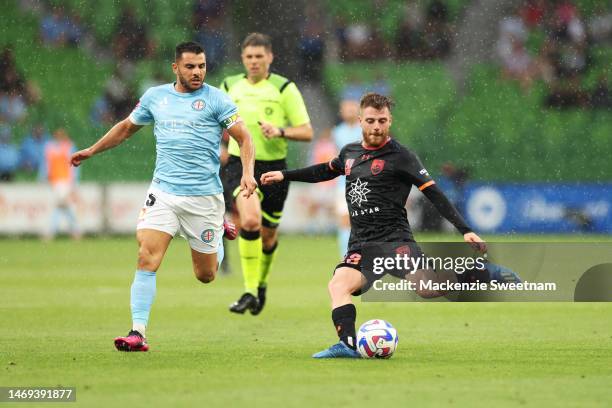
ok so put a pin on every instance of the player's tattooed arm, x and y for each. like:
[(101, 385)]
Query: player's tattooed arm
[(241, 134), (114, 137)]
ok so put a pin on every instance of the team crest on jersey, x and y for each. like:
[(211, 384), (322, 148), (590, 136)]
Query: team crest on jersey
[(347, 166), (377, 166), (198, 105), (208, 235)]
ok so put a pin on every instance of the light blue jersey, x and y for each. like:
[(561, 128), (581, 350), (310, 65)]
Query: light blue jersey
[(188, 130)]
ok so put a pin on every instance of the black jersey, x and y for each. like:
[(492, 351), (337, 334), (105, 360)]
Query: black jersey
[(378, 183)]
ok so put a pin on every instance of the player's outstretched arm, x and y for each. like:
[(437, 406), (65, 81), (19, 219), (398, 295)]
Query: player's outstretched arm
[(311, 174), (272, 177), (448, 211), (114, 137), (242, 136)]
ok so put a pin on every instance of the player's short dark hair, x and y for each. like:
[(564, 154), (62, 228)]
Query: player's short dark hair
[(188, 46), (258, 40), (376, 101)]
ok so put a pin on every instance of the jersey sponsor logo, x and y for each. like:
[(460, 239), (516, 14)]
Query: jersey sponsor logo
[(198, 104), (364, 211), (208, 235), (229, 122), (359, 192), (347, 166), (377, 166)]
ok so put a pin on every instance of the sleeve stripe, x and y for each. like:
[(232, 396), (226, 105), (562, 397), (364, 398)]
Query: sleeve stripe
[(424, 186), (285, 85)]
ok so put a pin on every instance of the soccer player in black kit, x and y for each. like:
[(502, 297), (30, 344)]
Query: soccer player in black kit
[(379, 175)]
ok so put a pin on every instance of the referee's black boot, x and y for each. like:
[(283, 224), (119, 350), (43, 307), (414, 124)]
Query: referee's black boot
[(261, 297), (246, 301)]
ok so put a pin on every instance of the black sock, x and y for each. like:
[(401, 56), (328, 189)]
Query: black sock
[(344, 321)]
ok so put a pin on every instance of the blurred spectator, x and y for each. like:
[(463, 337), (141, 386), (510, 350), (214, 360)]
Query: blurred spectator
[(131, 41), (62, 177), (364, 42), (437, 31), (101, 113), (54, 27), (207, 21), (567, 94), (12, 107), (118, 92), (409, 35), (11, 79), (9, 155), (601, 98), (353, 90), (31, 152), (512, 30), (312, 46), (533, 12), (600, 24), (347, 131), (316, 199), (17, 92), (518, 65)]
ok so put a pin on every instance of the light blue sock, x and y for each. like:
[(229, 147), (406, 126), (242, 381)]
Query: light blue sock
[(142, 295), (343, 239)]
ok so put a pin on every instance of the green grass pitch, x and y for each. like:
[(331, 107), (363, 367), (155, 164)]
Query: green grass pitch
[(62, 303)]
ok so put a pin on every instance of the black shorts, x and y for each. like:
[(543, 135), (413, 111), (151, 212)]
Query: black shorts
[(272, 197), (355, 260)]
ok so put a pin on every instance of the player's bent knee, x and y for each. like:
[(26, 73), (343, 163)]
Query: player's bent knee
[(206, 275), (338, 288), (148, 260), (251, 223)]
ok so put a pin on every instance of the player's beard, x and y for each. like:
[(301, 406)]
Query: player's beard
[(186, 83), (375, 140)]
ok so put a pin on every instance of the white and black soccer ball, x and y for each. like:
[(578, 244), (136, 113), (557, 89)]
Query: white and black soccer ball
[(377, 339)]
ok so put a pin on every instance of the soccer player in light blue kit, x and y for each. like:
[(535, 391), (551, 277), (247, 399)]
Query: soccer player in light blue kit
[(185, 195)]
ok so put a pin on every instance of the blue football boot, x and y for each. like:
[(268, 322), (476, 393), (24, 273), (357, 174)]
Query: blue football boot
[(338, 350), (502, 274)]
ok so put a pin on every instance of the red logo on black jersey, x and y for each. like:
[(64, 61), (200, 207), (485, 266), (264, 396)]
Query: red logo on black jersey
[(403, 250), (347, 166), (377, 166)]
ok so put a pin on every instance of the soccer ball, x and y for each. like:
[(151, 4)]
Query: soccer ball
[(376, 339)]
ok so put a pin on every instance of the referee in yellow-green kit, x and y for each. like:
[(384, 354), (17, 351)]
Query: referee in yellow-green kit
[(274, 111)]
